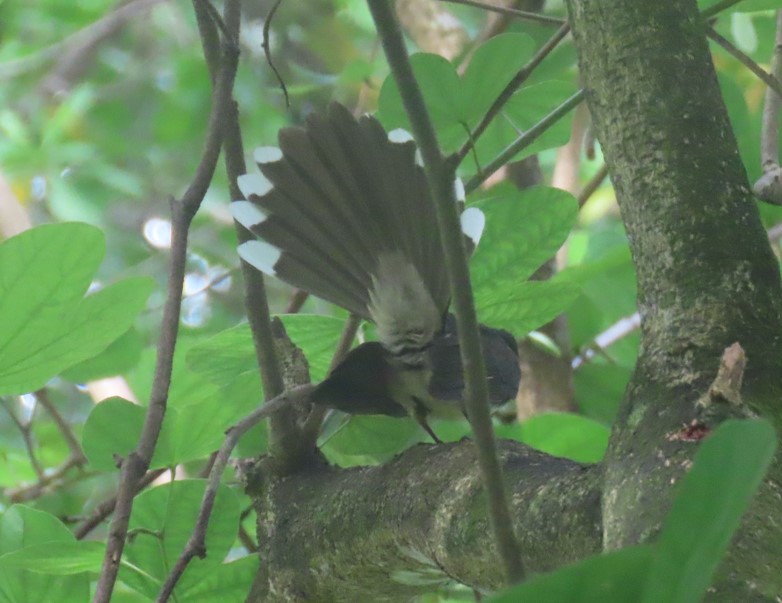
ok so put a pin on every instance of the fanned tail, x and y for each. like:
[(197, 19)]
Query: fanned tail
[(336, 198)]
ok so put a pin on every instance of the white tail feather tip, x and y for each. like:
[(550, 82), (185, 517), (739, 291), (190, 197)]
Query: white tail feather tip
[(399, 135), (253, 184), (263, 155), (473, 220), (260, 255), (458, 187), (247, 214)]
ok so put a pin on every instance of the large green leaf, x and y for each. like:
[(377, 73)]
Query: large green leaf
[(561, 434), (523, 110), (230, 355), (378, 437), (120, 356), (615, 577), (23, 528), (522, 307), (227, 583), (57, 558), (456, 104), (162, 522), (190, 432), (48, 325), (712, 498), (523, 230)]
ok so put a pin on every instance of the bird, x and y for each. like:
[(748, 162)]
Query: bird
[(342, 209)]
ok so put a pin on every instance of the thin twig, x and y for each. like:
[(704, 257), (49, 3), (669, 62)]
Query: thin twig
[(524, 141), (268, 53), (27, 438), (311, 428), (509, 90), (49, 481), (195, 546), (440, 178), (731, 49), (137, 462), (591, 186), (769, 186), (298, 297), (512, 12), (103, 510), (67, 433)]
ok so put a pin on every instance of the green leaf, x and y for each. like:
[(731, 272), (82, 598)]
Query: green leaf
[(228, 582), (522, 307), (190, 432), (230, 355), (456, 104), (523, 230), (561, 434), (20, 528), (492, 67), (375, 436), (162, 522), (57, 558), (615, 577), (111, 432), (523, 110), (712, 498), (47, 324), (121, 356)]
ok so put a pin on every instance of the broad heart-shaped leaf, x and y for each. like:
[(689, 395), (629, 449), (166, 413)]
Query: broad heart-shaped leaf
[(48, 325), (523, 229), (456, 105), (561, 434), (615, 577), (161, 523), (22, 527), (712, 498), (522, 307)]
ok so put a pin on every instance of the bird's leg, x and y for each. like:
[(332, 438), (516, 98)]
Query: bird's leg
[(420, 416)]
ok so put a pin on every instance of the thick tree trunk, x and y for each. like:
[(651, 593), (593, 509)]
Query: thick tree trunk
[(706, 275), (706, 279)]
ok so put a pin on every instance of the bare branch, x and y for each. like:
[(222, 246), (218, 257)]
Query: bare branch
[(27, 436), (441, 178), (136, 464)]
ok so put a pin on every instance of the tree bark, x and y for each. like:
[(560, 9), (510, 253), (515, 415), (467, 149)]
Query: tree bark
[(706, 275), (706, 279)]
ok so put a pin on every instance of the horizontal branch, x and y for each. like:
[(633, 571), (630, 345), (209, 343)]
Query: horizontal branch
[(418, 522)]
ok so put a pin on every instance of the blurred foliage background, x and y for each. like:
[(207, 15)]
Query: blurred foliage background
[(103, 109)]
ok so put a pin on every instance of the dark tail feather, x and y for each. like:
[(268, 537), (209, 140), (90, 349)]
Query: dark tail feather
[(336, 195)]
